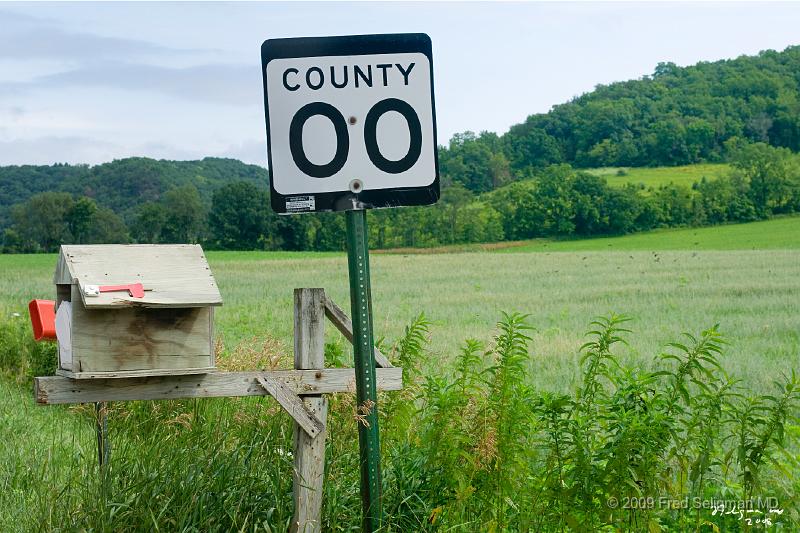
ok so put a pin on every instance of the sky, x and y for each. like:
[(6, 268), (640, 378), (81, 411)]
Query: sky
[(93, 82)]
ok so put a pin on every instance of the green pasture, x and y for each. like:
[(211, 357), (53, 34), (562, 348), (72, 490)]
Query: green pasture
[(180, 464), (42, 449), (777, 234), (743, 277), (656, 176)]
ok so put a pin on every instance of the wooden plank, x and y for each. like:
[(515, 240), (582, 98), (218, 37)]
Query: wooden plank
[(169, 364), (172, 275), (309, 328), (133, 373), (139, 339), (62, 274), (343, 323), (101, 430), (60, 390), (121, 300), (212, 346), (309, 451), (292, 404), (309, 472)]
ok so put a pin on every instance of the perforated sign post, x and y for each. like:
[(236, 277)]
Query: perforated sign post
[(351, 126)]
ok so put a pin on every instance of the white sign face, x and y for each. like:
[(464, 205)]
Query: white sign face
[(349, 129)]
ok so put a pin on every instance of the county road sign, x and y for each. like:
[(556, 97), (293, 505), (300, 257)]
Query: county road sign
[(350, 122)]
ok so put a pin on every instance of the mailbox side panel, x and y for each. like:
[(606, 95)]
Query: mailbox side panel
[(136, 338)]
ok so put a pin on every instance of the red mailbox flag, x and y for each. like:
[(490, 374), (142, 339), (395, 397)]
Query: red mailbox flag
[(43, 319)]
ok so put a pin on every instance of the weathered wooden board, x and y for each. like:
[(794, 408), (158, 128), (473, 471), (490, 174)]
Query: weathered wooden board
[(133, 373), (172, 275), (60, 390), (309, 450), (309, 472), (139, 338), (309, 328), (292, 404), (187, 364), (343, 323), (212, 345)]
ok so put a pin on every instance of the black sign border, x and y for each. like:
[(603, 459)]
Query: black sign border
[(344, 46)]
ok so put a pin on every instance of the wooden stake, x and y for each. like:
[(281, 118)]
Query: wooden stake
[(101, 428), (309, 451)]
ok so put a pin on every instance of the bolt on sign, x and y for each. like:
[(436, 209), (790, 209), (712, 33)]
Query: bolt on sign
[(350, 122)]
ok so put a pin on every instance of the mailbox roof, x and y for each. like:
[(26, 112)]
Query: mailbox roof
[(173, 275)]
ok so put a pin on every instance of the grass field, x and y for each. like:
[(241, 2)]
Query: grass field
[(744, 278), (777, 234), (42, 449), (653, 177)]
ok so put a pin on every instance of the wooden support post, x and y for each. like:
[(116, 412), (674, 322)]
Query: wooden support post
[(103, 447), (101, 428), (309, 452)]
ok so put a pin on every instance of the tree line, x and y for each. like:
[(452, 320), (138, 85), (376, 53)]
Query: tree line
[(556, 201)]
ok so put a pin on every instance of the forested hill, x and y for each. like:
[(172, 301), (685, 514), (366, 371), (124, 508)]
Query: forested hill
[(123, 185), (519, 185), (677, 115)]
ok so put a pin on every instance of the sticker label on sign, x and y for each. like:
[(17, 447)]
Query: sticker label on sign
[(295, 204)]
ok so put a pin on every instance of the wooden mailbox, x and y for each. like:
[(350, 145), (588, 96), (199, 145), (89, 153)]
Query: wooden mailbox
[(111, 328)]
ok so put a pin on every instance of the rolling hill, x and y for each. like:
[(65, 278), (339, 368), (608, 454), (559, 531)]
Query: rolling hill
[(665, 132)]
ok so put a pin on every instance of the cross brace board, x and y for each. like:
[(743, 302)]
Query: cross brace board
[(293, 405), (60, 390)]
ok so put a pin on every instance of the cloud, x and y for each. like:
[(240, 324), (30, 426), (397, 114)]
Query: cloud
[(238, 85), (252, 152), (57, 149), (82, 59), (16, 112), (14, 17), (47, 43), (162, 150), (25, 37), (51, 149)]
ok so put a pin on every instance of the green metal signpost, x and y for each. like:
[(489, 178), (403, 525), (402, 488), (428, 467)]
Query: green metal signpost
[(329, 150), (364, 353)]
